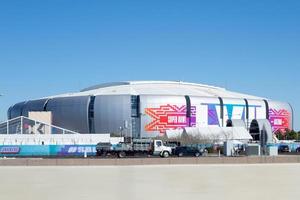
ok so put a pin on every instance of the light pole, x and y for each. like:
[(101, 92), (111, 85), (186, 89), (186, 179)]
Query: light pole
[(121, 131)]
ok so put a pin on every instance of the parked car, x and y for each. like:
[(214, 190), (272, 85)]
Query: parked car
[(187, 151), (283, 148), (173, 145), (298, 150)]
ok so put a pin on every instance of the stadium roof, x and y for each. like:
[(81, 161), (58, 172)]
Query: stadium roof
[(158, 88)]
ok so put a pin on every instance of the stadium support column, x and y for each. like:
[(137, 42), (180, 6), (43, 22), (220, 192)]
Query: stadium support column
[(221, 110), (91, 114), (188, 110), (247, 114), (267, 109)]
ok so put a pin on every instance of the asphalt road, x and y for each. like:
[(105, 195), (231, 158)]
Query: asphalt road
[(182, 182)]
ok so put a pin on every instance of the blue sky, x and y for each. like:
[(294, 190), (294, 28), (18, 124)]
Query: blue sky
[(58, 46)]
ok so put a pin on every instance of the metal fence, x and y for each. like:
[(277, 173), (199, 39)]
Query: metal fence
[(25, 125)]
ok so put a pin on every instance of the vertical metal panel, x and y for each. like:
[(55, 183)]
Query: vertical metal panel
[(111, 113), (208, 111), (70, 112), (161, 113), (35, 105), (16, 110), (280, 116)]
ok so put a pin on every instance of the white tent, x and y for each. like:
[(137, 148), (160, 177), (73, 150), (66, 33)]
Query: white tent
[(174, 134), (213, 133), (220, 133)]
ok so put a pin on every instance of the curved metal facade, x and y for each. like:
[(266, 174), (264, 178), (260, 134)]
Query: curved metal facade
[(35, 105), (70, 113), (16, 110), (147, 115), (112, 114)]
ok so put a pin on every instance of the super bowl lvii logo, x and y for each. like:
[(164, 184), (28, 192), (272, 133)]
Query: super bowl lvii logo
[(168, 117), (279, 119)]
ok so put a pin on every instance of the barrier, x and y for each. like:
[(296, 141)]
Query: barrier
[(47, 150)]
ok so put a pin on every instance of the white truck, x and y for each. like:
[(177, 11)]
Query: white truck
[(135, 147)]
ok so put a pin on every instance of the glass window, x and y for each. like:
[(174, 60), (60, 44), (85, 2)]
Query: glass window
[(134, 106), (158, 143)]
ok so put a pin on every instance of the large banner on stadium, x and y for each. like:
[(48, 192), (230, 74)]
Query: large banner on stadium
[(169, 113)]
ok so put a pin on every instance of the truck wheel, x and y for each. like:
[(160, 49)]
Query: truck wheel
[(197, 154), (99, 153), (104, 154), (121, 154), (165, 154), (205, 152)]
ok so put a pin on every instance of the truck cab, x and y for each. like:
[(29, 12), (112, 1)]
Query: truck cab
[(160, 149)]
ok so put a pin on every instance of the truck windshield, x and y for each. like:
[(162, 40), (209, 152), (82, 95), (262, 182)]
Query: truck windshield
[(158, 143)]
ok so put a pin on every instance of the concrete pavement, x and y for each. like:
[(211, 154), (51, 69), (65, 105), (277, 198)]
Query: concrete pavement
[(147, 161), (230, 181)]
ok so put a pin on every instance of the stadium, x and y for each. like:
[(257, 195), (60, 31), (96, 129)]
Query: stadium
[(141, 109)]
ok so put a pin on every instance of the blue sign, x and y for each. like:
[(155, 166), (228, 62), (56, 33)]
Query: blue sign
[(47, 150), (76, 150), (10, 150)]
